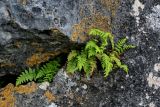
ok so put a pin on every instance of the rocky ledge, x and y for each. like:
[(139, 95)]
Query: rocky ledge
[(137, 19)]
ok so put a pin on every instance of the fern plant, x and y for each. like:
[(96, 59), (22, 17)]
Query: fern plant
[(44, 73), (100, 47)]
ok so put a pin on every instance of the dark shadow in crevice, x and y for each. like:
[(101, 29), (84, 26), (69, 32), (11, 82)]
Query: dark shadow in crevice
[(4, 80)]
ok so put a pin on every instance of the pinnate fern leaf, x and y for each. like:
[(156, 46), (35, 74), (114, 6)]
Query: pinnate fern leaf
[(72, 55), (87, 69), (125, 68), (121, 46), (119, 64), (45, 73), (93, 64), (26, 76), (72, 65), (104, 60), (92, 45), (121, 42), (91, 52), (127, 47), (108, 69), (95, 32), (81, 60), (111, 38)]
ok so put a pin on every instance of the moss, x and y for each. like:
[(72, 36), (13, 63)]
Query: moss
[(49, 96), (6, 96), (26, 89)]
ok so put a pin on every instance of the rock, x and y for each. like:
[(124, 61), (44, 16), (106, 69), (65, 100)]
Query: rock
[(136, 19), (20, 48), (44, 85), (27, 35)]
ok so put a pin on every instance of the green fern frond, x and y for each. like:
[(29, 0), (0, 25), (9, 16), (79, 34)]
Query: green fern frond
[(127, 47), (92, 45), (72, 61), (106, 64), (104, 60), (119, 64), (111, 38), (87, 69), (26, 76), (97, 48), (121, 42), (72, 65), (81, 60), (49, 69), (104, 38), (125, 68), (96, 32), (121, 46), (72, 55), (93, 64), (116, 60), (91, 52), (108, 69), (45, 73)]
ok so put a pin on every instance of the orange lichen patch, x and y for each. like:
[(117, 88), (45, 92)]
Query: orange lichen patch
[(35, 44), (95, 20), (81, 29), (26, 89), (55, 31), (38, 58), (6, 96), (49, 96), (18, 44), (111, 5), (7, 65), (23, 2), (39, 49)]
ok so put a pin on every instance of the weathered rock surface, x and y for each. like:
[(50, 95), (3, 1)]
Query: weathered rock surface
[(136, 19), (21, 48), (27, 37)]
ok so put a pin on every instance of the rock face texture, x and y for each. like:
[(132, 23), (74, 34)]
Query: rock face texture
[(28, 20), (27, 35)]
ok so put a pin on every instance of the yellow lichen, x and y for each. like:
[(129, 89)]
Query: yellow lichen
[(7, 65), (49, 96), (26, 89), (81, 29), (111, 5), (18, 44), (6, 96), (23, 2), (38, 58), (94, 20)]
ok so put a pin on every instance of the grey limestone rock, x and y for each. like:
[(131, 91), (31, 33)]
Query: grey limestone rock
[(136, 19)]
